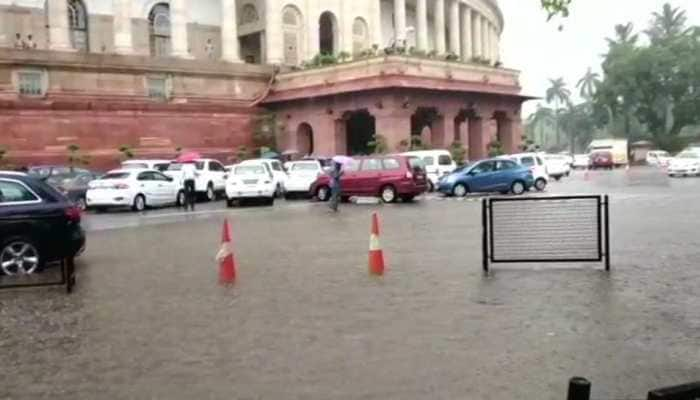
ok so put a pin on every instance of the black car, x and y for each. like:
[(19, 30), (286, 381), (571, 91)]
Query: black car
[(38, 225), (74, 186)]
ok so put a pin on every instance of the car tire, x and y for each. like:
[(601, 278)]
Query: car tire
[(210, 194), (16, 249), (180, 199), (388, 194), (431, 187), (323, 193), (270, 201), (540, 184), (557, 178), (229, 202), (408, 198), (139, 203), (517, 188), (460, 190)]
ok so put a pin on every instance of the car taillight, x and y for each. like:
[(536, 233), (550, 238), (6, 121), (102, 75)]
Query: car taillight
[(73, 214), (121, 186)]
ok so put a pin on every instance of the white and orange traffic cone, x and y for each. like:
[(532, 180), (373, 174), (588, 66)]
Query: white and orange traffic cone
[(227, 263), (376, 255)]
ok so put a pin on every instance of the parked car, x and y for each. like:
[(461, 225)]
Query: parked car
[(47, 171), (438, 163), (581, 161), (135, 188), (279, 176), (389, 177), (602, 160), (158, 165), (251, 180), (493, 175), (536, 165), (210, 177), (557, 165), (38, 225), (658, 158), (686, 163), (73, 186), (618, 148), (301, 175)]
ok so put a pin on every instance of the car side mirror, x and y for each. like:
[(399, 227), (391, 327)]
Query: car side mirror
[(170, 179), (472, 173)]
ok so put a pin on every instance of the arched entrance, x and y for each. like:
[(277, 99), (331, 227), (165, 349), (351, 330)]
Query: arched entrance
[(423, 132), (359, 131), (305, 139), (328, 33), (159, 30)]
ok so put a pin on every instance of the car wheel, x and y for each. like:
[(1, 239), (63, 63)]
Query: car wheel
[(408, 198), (431, 187), (139, 203), (323, 193), (460, 190), (388, 194), (181, 199), (557, 178), (270, 201), (517, 188), (229, 202), (19, 256), (211, 195), (540, 184)]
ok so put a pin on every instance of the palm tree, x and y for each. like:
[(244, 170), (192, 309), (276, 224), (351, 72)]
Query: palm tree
[(558, 94), (588, 84), (669, 23), (623, 35), (539, 120)]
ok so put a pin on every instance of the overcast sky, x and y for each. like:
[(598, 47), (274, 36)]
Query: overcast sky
[(541, 51)]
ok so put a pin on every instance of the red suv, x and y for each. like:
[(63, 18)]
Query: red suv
[(389, 177), (602, 159)]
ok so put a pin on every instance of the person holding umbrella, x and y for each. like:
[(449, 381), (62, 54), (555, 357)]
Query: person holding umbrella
[(189, 175), (336, 174)]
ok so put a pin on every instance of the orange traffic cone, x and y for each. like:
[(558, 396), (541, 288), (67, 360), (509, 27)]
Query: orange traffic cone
[(227, 264), (376, 255)]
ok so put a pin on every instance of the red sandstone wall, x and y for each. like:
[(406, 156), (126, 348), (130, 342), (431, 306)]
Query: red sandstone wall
[(36, 136)]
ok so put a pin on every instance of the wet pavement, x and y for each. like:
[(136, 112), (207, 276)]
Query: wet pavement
[(305, 321)]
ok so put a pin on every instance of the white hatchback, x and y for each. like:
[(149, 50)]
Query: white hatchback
[(135, 188), (301, 175), (278, 175), (250, 180), (438, 164), (536, 165)]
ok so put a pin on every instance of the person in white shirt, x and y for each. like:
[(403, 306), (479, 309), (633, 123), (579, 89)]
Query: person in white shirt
[(189, 174)]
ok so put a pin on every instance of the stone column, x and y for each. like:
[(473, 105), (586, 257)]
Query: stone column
[(444, 128), (395, 125), (455, 46), (400, 22), (485, 39), (273, 32), (123, 43), (229, 31), (178, 33), (478, 144), (476, 36), (422, 25), (376, 27), (59, 30), (466, 34), (439, 24), (496, 53)]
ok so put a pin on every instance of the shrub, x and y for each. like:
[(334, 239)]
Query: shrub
[(457, 152), (126, 152), (378, 144), (451, 57), (344, 56), (495, 149)]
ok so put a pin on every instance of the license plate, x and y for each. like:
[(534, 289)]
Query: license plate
[(250, 181)]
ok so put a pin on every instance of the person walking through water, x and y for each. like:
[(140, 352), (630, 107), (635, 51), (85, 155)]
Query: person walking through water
[(189, 174), (336, 174)]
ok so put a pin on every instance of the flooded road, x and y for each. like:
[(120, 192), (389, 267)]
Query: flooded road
[(305, 321)]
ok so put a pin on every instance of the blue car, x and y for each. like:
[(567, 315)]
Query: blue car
[(494, 175)]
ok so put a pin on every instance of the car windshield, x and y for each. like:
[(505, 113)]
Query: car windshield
[(688, 155), (115, 175), (304, 167), (249, 170)]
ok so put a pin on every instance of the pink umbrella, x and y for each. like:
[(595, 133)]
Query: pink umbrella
[(189, 157), (343, 160)]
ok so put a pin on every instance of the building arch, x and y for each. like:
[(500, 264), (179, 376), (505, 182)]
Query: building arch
[(159, 30), (360, 35), (305, 139), (249, 14), (292, 34), (328, 33), (78, 25)]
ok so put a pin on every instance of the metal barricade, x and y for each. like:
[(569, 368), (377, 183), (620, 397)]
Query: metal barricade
[(546, 230)]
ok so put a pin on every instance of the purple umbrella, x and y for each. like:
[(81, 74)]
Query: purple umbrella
[(343, 160)]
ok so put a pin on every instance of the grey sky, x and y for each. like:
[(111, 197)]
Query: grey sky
[(541, 51)]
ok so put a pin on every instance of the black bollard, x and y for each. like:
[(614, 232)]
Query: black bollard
[(579, 389)]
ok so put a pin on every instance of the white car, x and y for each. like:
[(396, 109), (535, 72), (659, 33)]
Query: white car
[(301, 175), (685, 164), (557, 165), (658, 158), (278, 175), (210, 177), (250, 180), (581, 161), (158, 165), (135, 188), (536, 165), (438, 163)]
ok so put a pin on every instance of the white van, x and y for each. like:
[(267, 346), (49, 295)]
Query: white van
[(537, 167), (438, 163)]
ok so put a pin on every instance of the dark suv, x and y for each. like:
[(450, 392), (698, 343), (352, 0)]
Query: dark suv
[(389, 177), (38, 225)]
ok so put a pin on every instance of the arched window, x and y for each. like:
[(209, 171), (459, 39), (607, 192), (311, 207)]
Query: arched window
[(328, 33), (78, 23), (249, 14), (360, 36), (292, 30), (159, 30)]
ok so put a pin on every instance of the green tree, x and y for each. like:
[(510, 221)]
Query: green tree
[(75, 157), (556, 7), (560, 95), (495, 149), (540, 121), (127, 152), (624, 36), (378, 144), (588, 84), (266, 128), (458, 152), (668, 24)]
